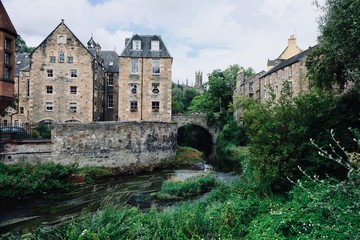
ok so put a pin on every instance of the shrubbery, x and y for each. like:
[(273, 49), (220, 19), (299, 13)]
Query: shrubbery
[(24, 179)]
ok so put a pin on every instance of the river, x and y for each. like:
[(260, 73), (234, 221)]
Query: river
[(135, 190)]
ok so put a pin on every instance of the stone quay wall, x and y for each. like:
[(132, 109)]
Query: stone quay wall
[(130, 146)]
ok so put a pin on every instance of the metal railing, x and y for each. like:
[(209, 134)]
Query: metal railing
[(24, 131)]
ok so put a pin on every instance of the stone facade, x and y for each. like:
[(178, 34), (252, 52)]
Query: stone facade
[(7, 59), (292, 72), (145, 80)]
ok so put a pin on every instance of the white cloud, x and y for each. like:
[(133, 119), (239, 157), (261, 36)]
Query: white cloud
[(201, 34)]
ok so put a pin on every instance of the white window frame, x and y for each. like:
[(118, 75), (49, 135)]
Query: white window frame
[(111, 79), (155, 45), (49, 73), (49, 106), (110, 101), (155, 69), (73, 73), (134, 66), (73, 107), (136, 45)]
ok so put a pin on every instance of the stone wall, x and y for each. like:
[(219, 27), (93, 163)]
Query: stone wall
[(129, 145)]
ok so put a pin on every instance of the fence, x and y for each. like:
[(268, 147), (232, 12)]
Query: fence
[(19, 132)]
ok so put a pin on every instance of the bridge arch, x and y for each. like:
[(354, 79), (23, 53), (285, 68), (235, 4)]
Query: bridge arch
[(199, 120)]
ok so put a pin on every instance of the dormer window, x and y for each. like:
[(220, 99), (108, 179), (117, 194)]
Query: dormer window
[(136, 45), (155, 45)]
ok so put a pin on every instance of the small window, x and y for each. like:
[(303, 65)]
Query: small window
[(133, 88), (111, 80), (49, 89), (27, 87), (7, 71), (155, 45), (16, 123), (111, 64), (156, 66), (155, 106), (52, 59), (7, 44), (251, 89), (49, 106), (134, 65), (133, 106), (70, 59), (282, 74), (73, 73), (49, 73), (73, 89), (21, 110), (72, 107), (61, 56), (155, 88), (136, 45), (290, 71), (7, 58), (110, 101)]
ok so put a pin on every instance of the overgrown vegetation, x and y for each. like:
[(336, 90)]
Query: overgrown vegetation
[(177, 189), (19, 180)]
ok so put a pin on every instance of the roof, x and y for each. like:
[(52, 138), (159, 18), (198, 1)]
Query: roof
[(111, 61), (288, 62), (145, 51), (5, 21), (61, 23), (22, 63)]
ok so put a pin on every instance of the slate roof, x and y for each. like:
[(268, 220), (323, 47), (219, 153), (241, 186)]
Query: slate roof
[(22, 61), (110, 57), (145, 51), (5, 22), (288, 62)]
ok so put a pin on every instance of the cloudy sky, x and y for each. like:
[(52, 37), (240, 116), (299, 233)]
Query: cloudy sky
[(199, 34)]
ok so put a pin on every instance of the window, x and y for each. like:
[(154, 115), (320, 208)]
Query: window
[(155, 106), (156, 66), (155, 88), (282, 74), (73, 73), (70, 59), (52, 59), (136, 45), (111, 80), (27, 87), (251, 89), (21, 110), (290, 87), (61, 56), (49, 89), (49, 106), (72, 107), (7, 58), (16, 123), (134, 65), (155, 45), (7, 73), (133, 88), (7, 44), (290, 71), (110, 101), (133, 106), (73, 89), (50, 73)]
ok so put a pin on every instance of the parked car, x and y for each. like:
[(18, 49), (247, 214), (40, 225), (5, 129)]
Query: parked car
[(12, 133)]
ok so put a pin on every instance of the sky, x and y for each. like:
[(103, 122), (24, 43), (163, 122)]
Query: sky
[(201, 35)]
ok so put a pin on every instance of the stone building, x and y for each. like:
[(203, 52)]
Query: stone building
[(291, 71), (199, 81), (7, 59), (66, 80), (145, 80)]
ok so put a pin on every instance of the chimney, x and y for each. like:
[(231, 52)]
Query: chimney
[(292, 41)]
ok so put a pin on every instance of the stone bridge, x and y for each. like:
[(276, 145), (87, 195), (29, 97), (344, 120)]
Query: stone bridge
[(198, 119)]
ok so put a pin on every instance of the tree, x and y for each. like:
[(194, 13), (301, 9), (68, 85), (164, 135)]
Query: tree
[(188, 96), (176, 99), (336, 58), (21, 47)]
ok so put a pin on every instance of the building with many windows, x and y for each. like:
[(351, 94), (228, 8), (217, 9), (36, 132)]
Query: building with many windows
[(7, 59), (63, 80), (145, 80)]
